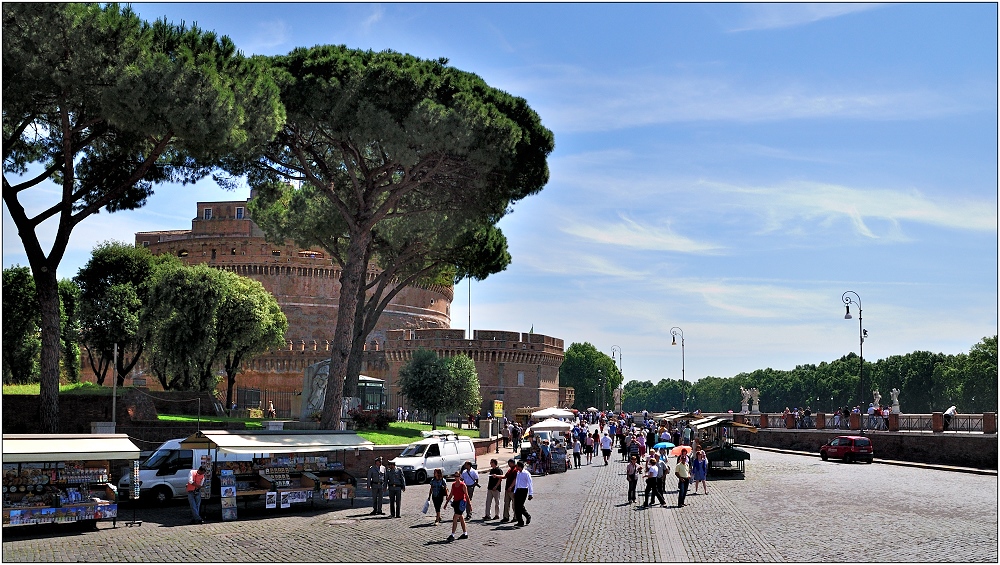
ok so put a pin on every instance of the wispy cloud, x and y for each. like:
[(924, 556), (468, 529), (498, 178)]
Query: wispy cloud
[(784, 15), (378, 11), (266, 36), (602, 102), (630, 233), (829, 202)]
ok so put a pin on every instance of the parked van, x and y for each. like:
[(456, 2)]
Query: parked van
[(164, 474), (443, 450)]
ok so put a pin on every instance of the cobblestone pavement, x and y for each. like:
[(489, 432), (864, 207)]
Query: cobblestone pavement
[(788, 508)]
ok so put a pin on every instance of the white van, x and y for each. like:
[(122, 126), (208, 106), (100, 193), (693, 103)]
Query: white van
[(164, 475), (443, 450)]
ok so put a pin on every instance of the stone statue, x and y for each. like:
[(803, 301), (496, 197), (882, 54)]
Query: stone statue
[(745, 408), (894, 393), (755, 396), (877, 397)]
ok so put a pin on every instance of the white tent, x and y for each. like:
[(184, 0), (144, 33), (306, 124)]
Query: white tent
[(553, 413), (552, 424)]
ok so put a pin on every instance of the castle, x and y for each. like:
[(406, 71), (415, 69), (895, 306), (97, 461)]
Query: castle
[(521, 369)]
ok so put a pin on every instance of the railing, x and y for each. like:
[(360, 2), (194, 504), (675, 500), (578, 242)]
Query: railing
[(907, 422), (247, 398)]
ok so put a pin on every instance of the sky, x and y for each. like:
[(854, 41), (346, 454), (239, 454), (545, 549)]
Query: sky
[(726, 169)]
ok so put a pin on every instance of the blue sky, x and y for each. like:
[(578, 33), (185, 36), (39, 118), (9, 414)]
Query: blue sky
[(729, 169)]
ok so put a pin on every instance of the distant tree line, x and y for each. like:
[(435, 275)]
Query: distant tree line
[(928, 382)]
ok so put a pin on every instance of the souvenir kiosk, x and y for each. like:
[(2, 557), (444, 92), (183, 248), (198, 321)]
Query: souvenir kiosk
[(284, 466), (62, 478)]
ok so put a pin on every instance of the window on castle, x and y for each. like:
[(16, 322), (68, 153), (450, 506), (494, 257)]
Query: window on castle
[(233, 251), (182, 253), (145, 244), (208, 213), (213, 254), (239, 212), (520, 378), (310, 254), (276, 253)]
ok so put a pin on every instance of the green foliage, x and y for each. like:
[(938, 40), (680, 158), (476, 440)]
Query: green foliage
[(21, 342), (585, 369), (69, 326), (928, 382), (371, 419), (435, 385), (197, 318), (417, 162), (105, 106)]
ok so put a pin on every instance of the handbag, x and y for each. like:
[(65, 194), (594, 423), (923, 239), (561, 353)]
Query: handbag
[(427, 506)]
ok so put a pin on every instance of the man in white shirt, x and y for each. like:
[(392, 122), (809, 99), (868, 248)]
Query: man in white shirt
[(606, 447), (523, 490), (471, 479)]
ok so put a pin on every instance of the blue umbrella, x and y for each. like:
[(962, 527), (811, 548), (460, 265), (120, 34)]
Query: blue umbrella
[(663, 445)]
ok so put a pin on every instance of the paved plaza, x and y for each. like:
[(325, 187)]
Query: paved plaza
[(788, 508)]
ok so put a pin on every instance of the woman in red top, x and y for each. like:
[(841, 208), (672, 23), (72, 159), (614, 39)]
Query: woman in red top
[(459, 498)]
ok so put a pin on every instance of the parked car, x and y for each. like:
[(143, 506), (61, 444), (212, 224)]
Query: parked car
[(848, 448)]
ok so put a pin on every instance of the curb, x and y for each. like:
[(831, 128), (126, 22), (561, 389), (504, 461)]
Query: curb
[(937, 467)]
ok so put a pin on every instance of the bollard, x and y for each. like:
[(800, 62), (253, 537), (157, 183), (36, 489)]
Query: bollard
[(893, 422), (937, 422), (990, 423)]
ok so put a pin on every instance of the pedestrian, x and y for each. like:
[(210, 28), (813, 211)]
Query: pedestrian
[(577, 448), (523, 490), (948, 415), (606, 447), (699, 471), (683, 477), (196, 478), (508, 489), (651, 488), (376, 478), (395, 485), (439, 488), (471, 479), (632, 475), (505, 433), (493, 488), (459, 498), (271, 413), (662, 469)]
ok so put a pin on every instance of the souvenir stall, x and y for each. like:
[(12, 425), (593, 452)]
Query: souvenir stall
[(284, 466), (62, 478)]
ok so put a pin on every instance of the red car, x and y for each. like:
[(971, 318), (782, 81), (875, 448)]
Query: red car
[(848, 448)]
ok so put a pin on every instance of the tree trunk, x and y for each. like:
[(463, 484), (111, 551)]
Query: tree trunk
[(352, 276), (358, 340), (434, 420), (47, 289)]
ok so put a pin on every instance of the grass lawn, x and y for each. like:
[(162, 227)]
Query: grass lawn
[(75, 388), (399, 433)]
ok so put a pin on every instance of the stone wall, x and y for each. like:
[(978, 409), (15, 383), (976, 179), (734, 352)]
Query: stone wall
[(959, 449)]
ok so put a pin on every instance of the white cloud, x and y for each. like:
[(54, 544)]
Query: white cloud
[(268, 35), (629, 233), (378, 11), (784, 15), (828, 202)]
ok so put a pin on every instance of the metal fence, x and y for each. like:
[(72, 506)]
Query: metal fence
[(247, 398)]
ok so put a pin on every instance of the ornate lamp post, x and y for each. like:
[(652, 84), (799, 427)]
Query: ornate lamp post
[(862, 334), (676, 331), (615, 348)]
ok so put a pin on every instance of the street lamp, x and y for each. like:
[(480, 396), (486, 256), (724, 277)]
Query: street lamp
[(862, 334), (676, 331), (615, 348), (600, 385)]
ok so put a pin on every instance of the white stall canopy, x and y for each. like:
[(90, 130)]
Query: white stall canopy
[(553, 413), (37, 448), (277, 441)]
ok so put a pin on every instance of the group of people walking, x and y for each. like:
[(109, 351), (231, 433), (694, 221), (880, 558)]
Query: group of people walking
[(514, 484)]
